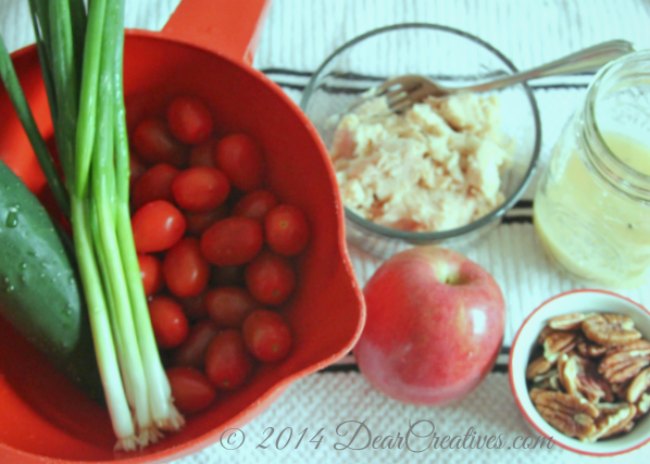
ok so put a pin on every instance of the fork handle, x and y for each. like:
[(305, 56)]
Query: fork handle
[(589, 59)]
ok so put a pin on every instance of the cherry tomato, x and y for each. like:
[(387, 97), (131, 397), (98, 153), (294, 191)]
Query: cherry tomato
[(136, 169), (270, 278), (191, 390), (232, 241), (227, 362), (239, 157), (255, 204), (151, 272), (228, 276), (229, 306), (169, 323), (197, 223), (203, 154), (153, 141), (193, 307), (157, 226), (138, 106), (267, 335), (200, 189), (192, 352), (189, 119), (186, 271), (154, 184), (286, 230)]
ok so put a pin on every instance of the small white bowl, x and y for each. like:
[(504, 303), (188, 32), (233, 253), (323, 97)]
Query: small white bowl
[(569, 302)]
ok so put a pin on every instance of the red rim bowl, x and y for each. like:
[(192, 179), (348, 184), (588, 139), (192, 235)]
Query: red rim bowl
[(591, 300)]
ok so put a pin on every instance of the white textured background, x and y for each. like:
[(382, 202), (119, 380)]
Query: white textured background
[(297, 36)]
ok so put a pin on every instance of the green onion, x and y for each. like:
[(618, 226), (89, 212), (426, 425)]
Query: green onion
[(78, 18), (11, 83), (163, 411), (40, 23), (100, 324), (82, 57), (87, 122), (64, 73)]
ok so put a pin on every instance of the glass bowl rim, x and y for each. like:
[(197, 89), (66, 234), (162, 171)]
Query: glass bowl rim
[(496, 213)]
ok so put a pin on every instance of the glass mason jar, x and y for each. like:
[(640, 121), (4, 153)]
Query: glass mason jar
[(592, 206)]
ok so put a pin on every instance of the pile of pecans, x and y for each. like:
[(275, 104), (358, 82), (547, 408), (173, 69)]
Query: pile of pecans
[(589, 376)]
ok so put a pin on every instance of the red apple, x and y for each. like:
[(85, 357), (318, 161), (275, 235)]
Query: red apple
[(434, 326)]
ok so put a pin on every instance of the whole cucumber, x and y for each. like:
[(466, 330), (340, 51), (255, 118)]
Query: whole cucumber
[(39, 290)]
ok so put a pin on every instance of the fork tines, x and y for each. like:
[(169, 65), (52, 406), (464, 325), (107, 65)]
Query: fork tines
[(402, 92)]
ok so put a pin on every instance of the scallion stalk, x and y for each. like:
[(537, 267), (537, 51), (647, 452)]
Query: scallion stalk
[(64, 74), (40, 23), (163, 410), (100, 325), (12, 85), (87, 121), (79, 19), (84, 85)]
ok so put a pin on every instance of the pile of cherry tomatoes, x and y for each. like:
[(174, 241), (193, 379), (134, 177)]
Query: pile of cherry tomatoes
[(216, 251)]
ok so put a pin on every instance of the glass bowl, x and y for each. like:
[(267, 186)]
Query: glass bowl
[(451, 57)]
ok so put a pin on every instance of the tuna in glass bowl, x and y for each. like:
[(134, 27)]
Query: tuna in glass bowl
[(397, 195)]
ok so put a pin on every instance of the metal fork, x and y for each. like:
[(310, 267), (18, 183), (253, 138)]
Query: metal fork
[(403, 91)]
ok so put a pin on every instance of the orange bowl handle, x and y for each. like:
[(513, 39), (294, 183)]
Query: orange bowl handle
[(227, 27)]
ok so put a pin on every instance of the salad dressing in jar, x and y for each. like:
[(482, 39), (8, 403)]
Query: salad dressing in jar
[(592, 207)]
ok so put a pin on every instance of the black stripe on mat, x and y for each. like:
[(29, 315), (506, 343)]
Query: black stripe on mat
[(352, 90), (517, 219), (524, 204), (353, 367), (498, 368), (357, 76)]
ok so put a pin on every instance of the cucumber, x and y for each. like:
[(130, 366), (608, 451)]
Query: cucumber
[(39, 290)]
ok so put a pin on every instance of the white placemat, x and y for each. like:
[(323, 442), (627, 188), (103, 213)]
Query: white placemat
[(326, 409)]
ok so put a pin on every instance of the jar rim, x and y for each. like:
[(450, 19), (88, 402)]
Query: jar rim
[(620, 174)]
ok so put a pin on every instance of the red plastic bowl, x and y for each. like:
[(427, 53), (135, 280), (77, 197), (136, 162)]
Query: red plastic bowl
[(43, 418)]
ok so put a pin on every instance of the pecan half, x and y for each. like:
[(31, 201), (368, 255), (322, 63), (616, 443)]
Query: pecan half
[(613, 421), (626, 361), (643, 405), (610, 329), (547, 381), (567, 321), (580, 378), (609, 408), (620, 390), (589, 349), (538, 367), (546, 331), (568, 368), (574, 417), (637, 347), (630, 425), (638, 386), (535, 393), (557, 343)]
